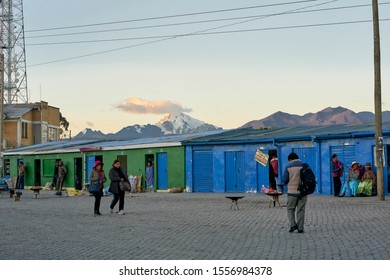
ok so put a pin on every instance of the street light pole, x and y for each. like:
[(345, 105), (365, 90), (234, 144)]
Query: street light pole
[(379, 152)]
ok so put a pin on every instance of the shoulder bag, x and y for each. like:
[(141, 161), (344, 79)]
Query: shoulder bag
[(94, 187), (125, 186)]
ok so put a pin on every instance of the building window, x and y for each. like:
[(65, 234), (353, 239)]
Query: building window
[(52, 134), (24, 130), (44, 132)]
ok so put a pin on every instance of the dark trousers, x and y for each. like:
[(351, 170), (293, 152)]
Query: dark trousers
[(118, 196), (296, 207), (98, 197), (272, 182), (336, 185), (20, 182)]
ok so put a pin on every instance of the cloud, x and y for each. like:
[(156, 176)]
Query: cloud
[(139, 106), (90, 124)]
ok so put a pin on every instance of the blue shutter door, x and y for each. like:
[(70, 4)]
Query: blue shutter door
[(203, 171), (90, 163), (240, 172), (262, 176), (307, 155), (234, 172), (162, 174), (230, 175), (346, 155)]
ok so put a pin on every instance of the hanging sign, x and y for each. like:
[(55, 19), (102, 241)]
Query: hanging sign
[(261, 157)]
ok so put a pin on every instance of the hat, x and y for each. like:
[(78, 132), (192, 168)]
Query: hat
[(368, 164), (97, 163), (354, 162)]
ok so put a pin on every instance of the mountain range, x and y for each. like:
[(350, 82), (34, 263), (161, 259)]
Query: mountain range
[(184, 124), (169, 124), (327, 116)]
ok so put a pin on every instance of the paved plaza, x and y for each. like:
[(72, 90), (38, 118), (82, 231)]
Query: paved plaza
[(184, 226)]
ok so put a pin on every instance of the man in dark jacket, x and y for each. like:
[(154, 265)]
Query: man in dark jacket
[(296, 202)]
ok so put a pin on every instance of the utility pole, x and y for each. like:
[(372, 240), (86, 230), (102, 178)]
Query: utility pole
[(379, 152), (1, 109)]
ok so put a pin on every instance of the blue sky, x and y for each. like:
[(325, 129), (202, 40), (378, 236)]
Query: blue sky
[(226, 79)]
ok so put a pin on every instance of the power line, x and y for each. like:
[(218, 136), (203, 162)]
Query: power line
[(198, 22), (188, 34), (210, 33), (174, 37), (172, 16)]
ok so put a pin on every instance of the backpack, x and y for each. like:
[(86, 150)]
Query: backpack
[(307, 180)]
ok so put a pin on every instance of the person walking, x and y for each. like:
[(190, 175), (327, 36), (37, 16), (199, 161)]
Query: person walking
[(117, 175), (296, 202), (21, 174), (61, 177), (337, 169), (97, 176)]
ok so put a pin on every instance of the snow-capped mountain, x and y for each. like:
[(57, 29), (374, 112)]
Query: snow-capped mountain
[(137, 131), (182, 124), (169, 124), (90, 134)]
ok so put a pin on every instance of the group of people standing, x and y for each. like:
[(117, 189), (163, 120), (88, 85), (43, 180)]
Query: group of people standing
[(359, 181)]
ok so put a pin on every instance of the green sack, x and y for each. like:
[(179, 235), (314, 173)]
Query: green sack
[(365, 188)]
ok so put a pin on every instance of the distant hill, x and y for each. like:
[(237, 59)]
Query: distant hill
[(327, 116)]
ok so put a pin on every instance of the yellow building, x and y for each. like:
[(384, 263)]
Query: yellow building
[(30, 123)]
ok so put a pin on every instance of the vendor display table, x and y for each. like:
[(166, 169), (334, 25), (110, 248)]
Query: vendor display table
[(36, 191), (234, 200)]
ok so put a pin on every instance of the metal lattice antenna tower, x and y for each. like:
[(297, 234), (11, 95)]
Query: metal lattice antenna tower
[(13, 47)]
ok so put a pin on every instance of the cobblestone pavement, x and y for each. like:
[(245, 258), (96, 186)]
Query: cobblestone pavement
[(185, 226)]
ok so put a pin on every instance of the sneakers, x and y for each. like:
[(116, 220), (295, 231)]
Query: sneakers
[(119, 213), (292, 229), (300, 231)]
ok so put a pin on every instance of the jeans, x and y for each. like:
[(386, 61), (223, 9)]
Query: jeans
[(20, 182), (118, 196)]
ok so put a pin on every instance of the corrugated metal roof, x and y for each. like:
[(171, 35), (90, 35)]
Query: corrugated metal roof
[(67, 146), (289, 134), (245, 135), (16, 111)]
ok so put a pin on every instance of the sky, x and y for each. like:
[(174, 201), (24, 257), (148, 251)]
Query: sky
[(111, 64)]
